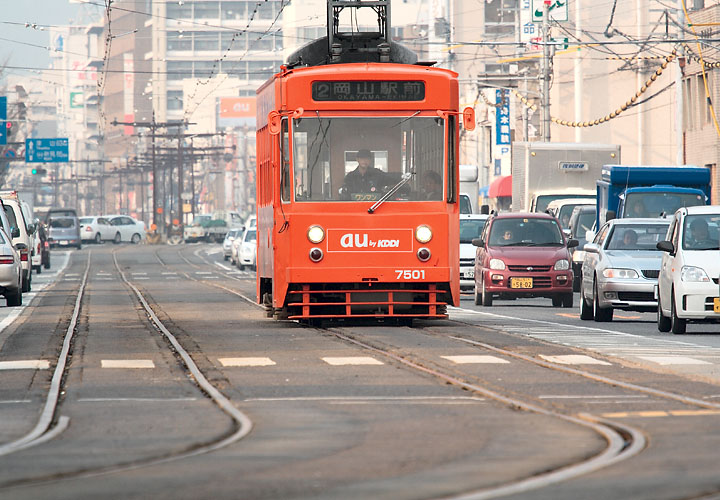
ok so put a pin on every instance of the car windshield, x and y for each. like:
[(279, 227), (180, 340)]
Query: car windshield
[(358, 159), (701, 232), (564, 214), (470, 228), (636, 237), (62, 223), (86, 220), (657, 203), (10, 214), (522, 231), (584, 223), (250, 236), (544, 200)]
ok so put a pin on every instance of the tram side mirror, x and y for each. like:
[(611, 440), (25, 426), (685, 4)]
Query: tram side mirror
[(469, 118), (274, 122)]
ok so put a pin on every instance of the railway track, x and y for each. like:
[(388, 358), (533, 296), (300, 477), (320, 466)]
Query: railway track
[(51, 423)]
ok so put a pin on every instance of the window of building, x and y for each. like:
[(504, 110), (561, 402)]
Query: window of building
[(237, 69), (177, 70), (206, 40), (206, 69), (176, 10), (178, 41), (238, 41), (234, 10), (207, 10), (264, 43), (174, 100)]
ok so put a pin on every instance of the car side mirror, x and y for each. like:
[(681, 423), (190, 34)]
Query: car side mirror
[(589, 235), (572, 243), (15, 232), (666, 246), (591, 248), (20, 246), (478, 242)]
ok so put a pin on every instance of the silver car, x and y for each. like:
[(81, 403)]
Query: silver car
[(10, 271), (228, 241), (621, 268)]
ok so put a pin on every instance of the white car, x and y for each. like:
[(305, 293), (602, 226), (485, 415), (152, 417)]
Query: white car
[(246, 249), (96, 229), (11, 281), (690, 270), (228, 241), (471, 226), (126, 228)]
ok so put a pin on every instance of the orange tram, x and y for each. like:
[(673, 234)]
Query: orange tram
[(357, 182)]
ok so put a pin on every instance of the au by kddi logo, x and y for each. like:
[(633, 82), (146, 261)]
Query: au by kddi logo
[(354, 240)]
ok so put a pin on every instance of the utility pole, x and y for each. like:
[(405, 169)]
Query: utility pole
[(546, 70)]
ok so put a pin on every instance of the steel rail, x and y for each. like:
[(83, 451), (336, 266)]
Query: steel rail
[(42, 431)]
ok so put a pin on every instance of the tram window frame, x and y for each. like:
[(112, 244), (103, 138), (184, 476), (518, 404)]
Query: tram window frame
[(285, 162), (452, 151)]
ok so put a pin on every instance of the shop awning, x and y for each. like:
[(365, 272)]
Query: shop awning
[(502, 186)]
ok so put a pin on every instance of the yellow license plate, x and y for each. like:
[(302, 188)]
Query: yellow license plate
[(716, 304), (521, 283)]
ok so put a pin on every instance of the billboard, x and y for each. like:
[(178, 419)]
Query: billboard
[(236, 112)]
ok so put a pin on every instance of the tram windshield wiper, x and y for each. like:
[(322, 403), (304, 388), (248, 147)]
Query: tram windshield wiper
[(405, 179)]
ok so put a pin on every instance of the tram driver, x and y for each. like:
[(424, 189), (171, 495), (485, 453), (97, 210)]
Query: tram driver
[(365, 178)]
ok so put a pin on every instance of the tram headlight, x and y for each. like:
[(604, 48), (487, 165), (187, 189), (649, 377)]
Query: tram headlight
[(315, 234), (423, 233)]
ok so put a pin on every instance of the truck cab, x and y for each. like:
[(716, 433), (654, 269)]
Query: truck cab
[(649, 191)]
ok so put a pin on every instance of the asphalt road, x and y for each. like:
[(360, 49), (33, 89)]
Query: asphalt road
[(520, 400)]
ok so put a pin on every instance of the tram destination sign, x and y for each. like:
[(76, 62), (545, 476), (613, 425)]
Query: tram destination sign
[(368, 90)]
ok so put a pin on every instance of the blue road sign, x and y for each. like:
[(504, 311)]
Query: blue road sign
[(3, 119), (46, 150)]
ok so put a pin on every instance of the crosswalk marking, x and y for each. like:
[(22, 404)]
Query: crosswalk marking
[(574, 359), (674, 360), (351, 360), (471, 359), (127, 363), (25, 364), (656, 414), (246, 361)]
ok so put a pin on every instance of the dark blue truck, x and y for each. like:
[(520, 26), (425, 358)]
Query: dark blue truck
[(645, 191)]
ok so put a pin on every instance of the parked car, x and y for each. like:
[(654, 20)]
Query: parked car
[(41, 259), (11, 275), (581, 221), (126, 228), (227, 242), (96, 229), (690, 269), (247, 250), (471, 226), (63, 228), (523, 255), (621, 268), (21, 237)]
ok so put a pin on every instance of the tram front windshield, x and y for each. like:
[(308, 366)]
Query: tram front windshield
[(360, 159)]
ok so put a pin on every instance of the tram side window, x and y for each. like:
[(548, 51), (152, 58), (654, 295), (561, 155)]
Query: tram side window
[(452, 151), (285, 177)]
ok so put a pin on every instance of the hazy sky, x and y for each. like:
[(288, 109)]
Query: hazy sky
[(15, 39)]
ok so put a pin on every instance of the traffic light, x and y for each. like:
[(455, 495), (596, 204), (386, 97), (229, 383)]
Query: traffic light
[(38, 171), (9, 126)]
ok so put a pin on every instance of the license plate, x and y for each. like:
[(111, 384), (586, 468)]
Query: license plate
[(63, 243), (469, 274), (716, 304), (521, 283)]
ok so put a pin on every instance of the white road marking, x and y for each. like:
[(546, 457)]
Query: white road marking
[(212, 252), (140, 400), (246, 361), (137, 278), (574, 359), (549, 396), (223, 266), (352, 360), (168, 274), (71, 279), (15, 401), (72, 274), (25, 364), (468, 359), (139, 274), (370, 398), (674, 360), (203, 272), (106, 279), (127, 363)]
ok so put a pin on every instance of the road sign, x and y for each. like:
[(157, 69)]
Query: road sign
[(186, 196), (558, 10), (46, 150), (3, 118)]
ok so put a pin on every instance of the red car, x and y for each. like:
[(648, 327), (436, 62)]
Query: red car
[(523, 255)]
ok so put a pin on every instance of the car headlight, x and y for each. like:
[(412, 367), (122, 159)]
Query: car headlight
[(497, 265), (562, 265), (315, 234), (692, 273), (620, 273), (423, 233)]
